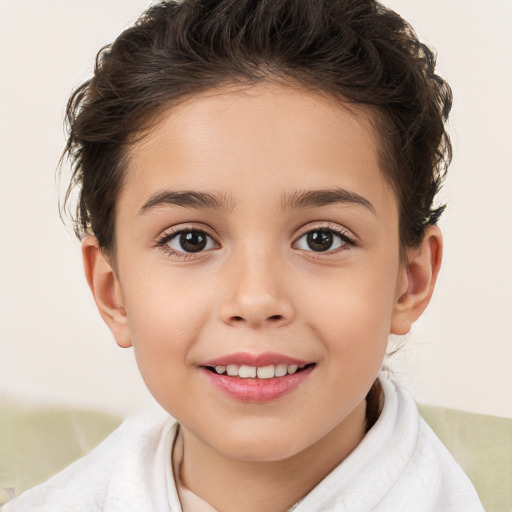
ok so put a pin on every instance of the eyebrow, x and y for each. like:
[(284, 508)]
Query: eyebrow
[(187, 199), (326, 197), (216, 201)]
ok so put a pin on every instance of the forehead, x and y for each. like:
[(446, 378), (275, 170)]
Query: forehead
[(262, 140)]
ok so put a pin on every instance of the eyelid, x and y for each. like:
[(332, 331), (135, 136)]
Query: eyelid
[(341, 231), (348, 240), (180, 228), (163, 239)]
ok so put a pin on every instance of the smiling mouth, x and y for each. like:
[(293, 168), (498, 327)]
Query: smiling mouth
[(258, 372)]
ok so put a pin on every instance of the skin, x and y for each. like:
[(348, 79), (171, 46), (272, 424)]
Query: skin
[(258, 286)]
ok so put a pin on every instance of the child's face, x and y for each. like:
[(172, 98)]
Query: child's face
[(267, 274)]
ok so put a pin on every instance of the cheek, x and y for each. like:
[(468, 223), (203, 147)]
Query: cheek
[(165, 321), (352, 315), (162, 306), (352, 300)]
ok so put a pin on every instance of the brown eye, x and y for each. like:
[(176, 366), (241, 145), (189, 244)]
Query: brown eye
[(322, 240), (319, 240), (190, 241)]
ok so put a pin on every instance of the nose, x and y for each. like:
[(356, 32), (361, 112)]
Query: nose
[(255, 292)]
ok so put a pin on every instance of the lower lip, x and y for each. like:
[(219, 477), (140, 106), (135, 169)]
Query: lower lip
[(257, 390)]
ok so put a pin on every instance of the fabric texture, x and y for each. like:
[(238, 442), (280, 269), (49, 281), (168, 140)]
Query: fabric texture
[(400, 466)]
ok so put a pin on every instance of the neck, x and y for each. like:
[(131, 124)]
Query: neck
[(231, 485)]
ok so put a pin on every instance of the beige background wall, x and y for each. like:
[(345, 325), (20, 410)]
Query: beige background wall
[(53, 345)]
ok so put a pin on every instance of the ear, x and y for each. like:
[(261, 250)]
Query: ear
[(106, 290), (417, 280)]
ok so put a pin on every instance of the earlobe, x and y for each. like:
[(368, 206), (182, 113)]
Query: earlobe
[(417, 281), (106, 290)]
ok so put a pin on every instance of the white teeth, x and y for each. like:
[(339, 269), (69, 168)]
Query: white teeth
[(266, 372), (261, 372), (281, 370), (247, 372), (292, 368), (232, 370)]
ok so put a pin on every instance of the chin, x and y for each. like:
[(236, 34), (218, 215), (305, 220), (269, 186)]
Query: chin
[(257, 453), (258, 446)]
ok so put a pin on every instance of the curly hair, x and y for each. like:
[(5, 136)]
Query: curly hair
[(357, 51)]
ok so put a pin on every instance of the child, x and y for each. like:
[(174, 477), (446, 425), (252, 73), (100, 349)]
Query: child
[(256, 183)]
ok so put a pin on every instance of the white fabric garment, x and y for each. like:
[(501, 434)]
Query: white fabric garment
[(400, 466)]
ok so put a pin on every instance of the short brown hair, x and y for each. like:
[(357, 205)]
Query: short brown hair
[(355, 50)]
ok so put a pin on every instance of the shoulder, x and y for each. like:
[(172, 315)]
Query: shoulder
[(430, 477), (399, 466), (112, 477)]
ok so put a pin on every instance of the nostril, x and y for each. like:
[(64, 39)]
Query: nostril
[(256, 320)]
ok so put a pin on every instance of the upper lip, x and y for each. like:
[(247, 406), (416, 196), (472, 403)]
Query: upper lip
[(248, 359)]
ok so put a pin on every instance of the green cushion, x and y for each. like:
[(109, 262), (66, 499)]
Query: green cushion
[(482, 445), (35, 445)]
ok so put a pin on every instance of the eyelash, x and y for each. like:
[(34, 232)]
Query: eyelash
[(164, 240), (331, 228), (167, 237)]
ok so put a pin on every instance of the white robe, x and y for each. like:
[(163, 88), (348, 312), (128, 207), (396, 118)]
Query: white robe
[(399, 466)]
